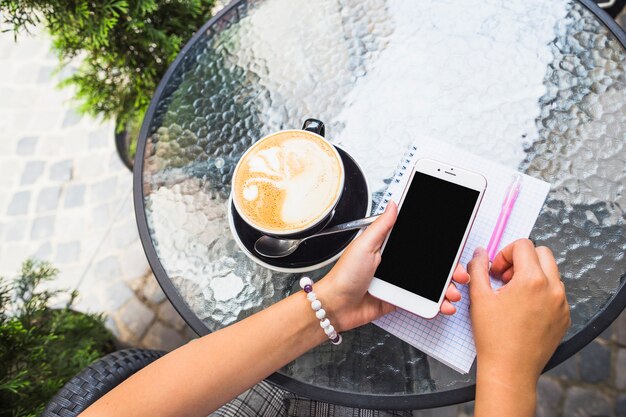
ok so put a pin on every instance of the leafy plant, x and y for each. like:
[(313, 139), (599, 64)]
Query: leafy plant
[(42, 348), (125, 45)]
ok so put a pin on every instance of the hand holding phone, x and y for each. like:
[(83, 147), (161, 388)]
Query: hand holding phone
[(421, 252)]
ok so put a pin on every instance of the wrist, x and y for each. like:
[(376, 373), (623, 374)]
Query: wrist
[(514, 374), (516, 393), (333, 304), (310, 325), (319, 302)]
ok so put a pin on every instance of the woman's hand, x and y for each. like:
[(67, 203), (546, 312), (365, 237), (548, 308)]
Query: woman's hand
[(344, 288), (519, 326)]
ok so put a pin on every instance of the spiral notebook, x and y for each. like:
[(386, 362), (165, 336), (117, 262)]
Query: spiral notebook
[(449, 338)]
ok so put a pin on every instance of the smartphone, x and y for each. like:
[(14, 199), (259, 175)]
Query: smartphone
[(436, 212)]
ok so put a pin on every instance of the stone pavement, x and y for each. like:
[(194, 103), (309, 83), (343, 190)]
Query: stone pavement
[(66, 197)]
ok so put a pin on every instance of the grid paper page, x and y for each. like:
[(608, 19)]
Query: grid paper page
[(449, 339)]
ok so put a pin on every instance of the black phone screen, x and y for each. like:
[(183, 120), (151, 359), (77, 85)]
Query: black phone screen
[(427, 234)]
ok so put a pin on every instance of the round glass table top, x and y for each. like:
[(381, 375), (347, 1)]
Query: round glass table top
[(537, 86)]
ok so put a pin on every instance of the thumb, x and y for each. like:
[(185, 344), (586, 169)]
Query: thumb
[(478, 269), (374, 236)]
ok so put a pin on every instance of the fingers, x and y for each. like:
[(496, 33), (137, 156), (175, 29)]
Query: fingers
[(478, 269), (447, 308), (375, 234), (453, 294), (548, 264), (521, 253), (460, 275), (507, 275)]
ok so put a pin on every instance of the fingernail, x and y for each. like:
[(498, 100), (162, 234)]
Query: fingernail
[(479, 250)]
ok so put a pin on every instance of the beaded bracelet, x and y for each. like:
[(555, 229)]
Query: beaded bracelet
[(306, 284)]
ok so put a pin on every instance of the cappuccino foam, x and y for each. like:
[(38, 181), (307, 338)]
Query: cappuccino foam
[(288, 181)]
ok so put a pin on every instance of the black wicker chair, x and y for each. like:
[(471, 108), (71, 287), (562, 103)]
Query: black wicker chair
[(98, 379), (263, 399)]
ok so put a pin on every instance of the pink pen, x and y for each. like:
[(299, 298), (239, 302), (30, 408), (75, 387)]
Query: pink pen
[(505, 213)]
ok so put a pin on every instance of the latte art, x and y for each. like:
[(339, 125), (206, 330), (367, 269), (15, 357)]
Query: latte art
[(288, 181)]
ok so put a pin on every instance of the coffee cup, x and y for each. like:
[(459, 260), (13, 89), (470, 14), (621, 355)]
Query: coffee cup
[(288, 183)]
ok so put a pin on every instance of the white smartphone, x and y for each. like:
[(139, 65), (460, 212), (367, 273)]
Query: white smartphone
[(436, 212)]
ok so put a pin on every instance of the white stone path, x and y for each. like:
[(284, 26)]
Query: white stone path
[(66, 197)]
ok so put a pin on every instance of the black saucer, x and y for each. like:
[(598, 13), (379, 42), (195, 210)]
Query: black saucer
[(314, 253)]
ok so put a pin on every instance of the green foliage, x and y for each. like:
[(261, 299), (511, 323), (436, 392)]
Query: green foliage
[(125, 45), (42, 348)]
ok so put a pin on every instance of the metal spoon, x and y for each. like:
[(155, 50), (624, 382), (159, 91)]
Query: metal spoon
[(273, 247)]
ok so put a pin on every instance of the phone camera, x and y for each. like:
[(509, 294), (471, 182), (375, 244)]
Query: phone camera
[(438, 169)]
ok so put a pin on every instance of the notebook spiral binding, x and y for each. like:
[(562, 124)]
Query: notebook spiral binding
[(405, 162)]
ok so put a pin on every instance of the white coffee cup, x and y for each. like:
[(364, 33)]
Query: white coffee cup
[(288, 183)]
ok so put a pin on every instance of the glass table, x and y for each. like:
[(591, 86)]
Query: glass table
[(538, 86)]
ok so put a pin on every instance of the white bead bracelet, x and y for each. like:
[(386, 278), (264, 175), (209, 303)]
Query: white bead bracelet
[(306, 284)]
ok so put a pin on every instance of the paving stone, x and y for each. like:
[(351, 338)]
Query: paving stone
[(549, 395), (104, 190), (100, 138), (467, 409), (135, 318), (67, 71), (90, 167), (595, 363), (43, 252), (620, 369), (117, 295), (43, 227), (71, 118), (152, 291), (74, 143), (19, 203), (74, 227), (115, 163), (162, 337), (15, 230), (7, 94), (13, 256), (620, 406), (68, 252), (48, 199), (125, 234), (89, 304), (61, 171), (27, 145), (170, 316), (28, 48), (451, 411), (619, 327), (45, 74), (607, 334), (111, 325), (101, 216), (75, 196), (133, 262), (107, 268), (8, 167), (189, 334), (567, 369), (586, 402), (32, 171)]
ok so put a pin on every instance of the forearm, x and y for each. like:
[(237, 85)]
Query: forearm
[(504, 393), (201, 376)]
